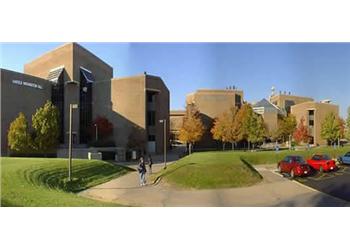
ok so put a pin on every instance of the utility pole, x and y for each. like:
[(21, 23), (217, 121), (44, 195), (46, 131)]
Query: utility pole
[(71, 107), (96, 132), (165, 140)]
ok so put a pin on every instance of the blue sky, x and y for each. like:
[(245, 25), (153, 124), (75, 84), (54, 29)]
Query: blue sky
[(319, 70)]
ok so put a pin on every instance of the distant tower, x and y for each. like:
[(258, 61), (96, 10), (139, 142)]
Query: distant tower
[(272, 91)]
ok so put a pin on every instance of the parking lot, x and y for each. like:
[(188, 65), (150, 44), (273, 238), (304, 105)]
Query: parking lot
[(336, 183)]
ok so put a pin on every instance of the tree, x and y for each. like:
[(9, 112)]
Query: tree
[(218, 129), (286, 127), (46, 125), (19, 139), (242, 121), (192, 128), (301, 133), (137, 138), (256, 129), (342, 126), (104, 128), (330, 128), (225, 129)]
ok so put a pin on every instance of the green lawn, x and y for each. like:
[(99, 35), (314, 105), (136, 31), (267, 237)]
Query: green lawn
[(41, 181), (217, 169)]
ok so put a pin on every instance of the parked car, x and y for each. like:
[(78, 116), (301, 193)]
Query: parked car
[(294, 165), (345, 159), (322, 162)]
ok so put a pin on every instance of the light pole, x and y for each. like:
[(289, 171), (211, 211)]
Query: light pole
[(96, 132), (71, 107), (164, 137)]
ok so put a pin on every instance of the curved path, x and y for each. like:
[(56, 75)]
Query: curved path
[(274, 190)]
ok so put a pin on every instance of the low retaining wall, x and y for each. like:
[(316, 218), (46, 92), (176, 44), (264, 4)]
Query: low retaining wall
[(117, 153)]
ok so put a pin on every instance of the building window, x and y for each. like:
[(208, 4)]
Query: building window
[(151, 138), (85, 106), (238, 101), (151, 118), (57, 98), (311, 117), (150, 97)]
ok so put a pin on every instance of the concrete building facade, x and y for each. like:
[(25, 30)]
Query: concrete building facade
[(70, 74), (211, 103), (314, 114), (286, 101)]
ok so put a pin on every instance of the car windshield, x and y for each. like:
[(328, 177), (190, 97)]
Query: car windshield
[(299, 159), (326, 157)]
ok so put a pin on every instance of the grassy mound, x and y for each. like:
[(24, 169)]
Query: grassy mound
[(42, 182), (227, 169), (211, 170)]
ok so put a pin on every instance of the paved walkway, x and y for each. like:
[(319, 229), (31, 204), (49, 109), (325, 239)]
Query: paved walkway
[(274, 190)]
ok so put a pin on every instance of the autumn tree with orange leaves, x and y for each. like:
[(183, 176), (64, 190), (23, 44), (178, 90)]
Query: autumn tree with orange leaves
[(192, 128)]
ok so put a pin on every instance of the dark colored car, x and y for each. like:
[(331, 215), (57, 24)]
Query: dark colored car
[(294, 165), (322, 163)]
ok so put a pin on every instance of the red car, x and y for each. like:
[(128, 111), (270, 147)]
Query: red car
[(322, 163), (294, 165)]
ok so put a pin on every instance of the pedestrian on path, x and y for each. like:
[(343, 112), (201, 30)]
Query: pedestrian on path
[(142, 171), (150, 163)]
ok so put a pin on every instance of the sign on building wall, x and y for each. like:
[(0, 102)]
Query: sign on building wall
[(28, 84)]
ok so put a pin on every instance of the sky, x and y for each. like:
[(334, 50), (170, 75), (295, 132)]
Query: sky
[(318, 70)]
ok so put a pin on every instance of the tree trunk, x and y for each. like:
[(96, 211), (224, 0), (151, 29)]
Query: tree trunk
[(189, 148), (223, 146), (233, 145)]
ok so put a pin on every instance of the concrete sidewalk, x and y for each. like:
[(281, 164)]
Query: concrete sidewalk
[(274, 190)]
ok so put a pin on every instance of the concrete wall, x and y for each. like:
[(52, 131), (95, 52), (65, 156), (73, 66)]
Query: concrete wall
[(321, 111), (213, 103), (162, 107), (176, 120), (61, 56), (72, 56), (280, 100), (123, 102), (19, 98)]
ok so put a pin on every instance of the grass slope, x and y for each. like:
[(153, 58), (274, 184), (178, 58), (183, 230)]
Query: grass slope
[(230, 168), (211, 170), (40, 181)]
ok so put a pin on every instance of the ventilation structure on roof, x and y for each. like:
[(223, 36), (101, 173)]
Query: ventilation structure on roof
[(55, 73), (87, 74)]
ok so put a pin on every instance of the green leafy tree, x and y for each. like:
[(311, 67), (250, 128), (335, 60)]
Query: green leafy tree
[(256, 129), (331, 128), (192, 128), (19, 139), (46, 125), (286, 127)]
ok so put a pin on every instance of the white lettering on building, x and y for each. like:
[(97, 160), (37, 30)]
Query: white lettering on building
[(28, 84)]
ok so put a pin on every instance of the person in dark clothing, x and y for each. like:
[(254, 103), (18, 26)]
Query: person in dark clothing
[(141, 168), (150, 163)]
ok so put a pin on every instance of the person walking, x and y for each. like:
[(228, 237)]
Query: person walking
[(142, 171), (150, 163)]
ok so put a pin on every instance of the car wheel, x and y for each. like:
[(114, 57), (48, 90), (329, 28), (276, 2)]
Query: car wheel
[(292, 174), (279, 169)]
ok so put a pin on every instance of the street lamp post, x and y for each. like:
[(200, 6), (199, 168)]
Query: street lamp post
[(71, 107), (96, 132), (164, 137)]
